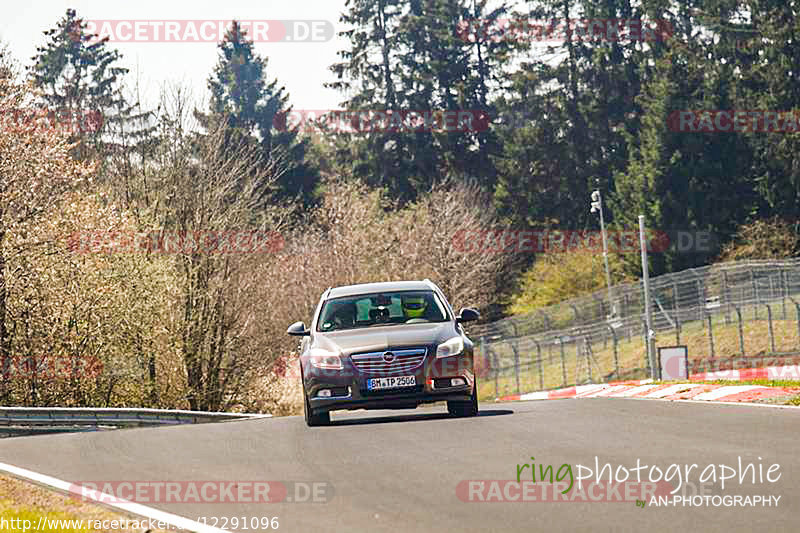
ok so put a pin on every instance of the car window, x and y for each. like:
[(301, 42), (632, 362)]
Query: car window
[(388, 308)]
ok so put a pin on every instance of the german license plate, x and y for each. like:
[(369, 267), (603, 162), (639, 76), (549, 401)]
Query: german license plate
[(394, 382)]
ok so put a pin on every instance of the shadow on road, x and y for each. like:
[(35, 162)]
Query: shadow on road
[(419, 417)]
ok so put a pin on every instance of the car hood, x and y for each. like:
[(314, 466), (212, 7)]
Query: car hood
[(375, 339)]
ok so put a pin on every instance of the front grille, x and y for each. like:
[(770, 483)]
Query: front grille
[(374, 362)]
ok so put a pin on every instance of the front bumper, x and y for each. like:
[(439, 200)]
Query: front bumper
[(353, 382)]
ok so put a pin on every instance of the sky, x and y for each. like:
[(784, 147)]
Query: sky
[(301, 67)]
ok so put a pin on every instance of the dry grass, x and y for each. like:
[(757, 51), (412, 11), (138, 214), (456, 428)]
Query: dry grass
[(24, 501)]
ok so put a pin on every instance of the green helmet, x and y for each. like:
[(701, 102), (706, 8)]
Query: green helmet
[(414, 306)]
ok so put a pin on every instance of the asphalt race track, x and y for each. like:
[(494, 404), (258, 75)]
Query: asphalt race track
[(398, 470)]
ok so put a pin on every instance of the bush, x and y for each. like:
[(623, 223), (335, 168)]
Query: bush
[(556, 277), (772, 238)]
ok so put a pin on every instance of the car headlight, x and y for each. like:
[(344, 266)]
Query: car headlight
[(325, 359), (450, 347)]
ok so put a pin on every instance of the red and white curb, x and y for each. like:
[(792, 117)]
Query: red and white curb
[(679, 391)]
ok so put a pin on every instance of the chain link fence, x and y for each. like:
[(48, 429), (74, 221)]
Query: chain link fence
[(729, 315)]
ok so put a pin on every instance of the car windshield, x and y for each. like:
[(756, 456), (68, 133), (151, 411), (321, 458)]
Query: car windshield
[(381, 309)]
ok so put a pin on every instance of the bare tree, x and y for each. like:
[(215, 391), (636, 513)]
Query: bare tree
[(214, 196), (36, 171)]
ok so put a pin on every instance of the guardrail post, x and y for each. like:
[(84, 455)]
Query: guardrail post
[(771, 333), (630, 333), (516, 364), (577, 314), (588, 352), (646, 354), (710, 334), (675, 297), (797, 311), (784, 292), (626, 309), (755, 291), (514, 343), (701, 293), (741, 331), (616, 352), (496, 375), (539, 361), (677, 329), (726, 297), (560, 342), (546, 320)]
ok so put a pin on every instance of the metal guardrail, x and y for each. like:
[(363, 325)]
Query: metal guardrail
[(110, 417)]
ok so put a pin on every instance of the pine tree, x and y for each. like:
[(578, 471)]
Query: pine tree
[(81, 83), (242, 96), (685, 180), (412, 55)]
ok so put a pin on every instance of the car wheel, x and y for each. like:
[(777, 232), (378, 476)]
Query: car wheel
[(314, 419), (467, 408)]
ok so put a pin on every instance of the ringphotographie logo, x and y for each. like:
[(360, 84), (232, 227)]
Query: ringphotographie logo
[(382, 120), (176, 242), (644, 484), (564, 30), (208, 30), (733, 120)]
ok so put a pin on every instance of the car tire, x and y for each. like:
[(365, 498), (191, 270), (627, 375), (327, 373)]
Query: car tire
[(467, 408), (312, 418)]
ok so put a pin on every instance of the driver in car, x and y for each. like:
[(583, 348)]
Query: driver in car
[(414, 307)]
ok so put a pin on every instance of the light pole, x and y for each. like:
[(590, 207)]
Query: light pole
[(597, 205), (655, 370)]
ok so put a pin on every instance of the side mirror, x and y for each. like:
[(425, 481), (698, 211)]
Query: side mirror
[(467, 314), (298, 329)]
